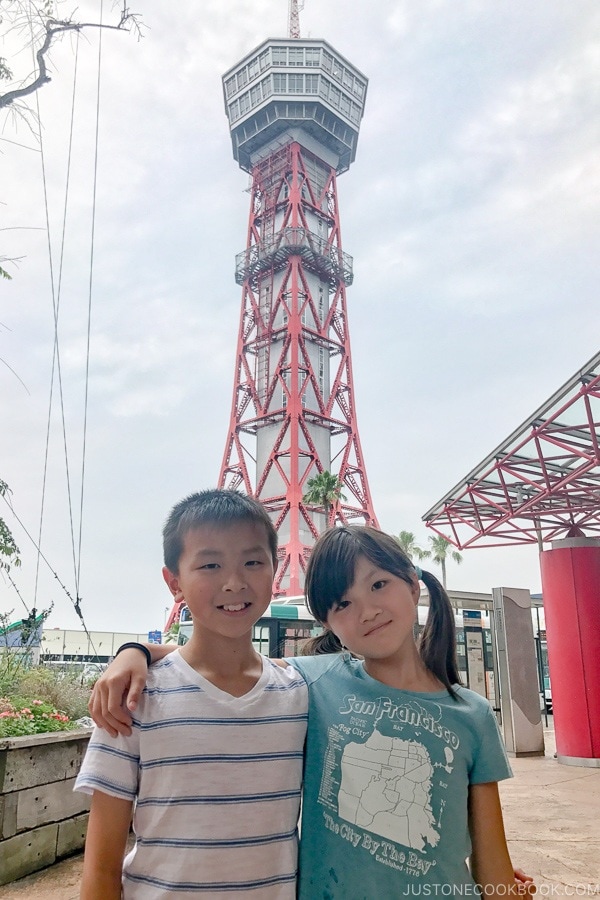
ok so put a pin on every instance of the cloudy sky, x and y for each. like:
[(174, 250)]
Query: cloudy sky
[(472, 214)]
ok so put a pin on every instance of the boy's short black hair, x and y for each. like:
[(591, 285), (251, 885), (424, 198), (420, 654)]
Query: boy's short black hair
[(219, 507)]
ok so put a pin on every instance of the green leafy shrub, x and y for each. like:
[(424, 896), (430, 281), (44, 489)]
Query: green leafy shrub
[(62, 690), (38, 699)]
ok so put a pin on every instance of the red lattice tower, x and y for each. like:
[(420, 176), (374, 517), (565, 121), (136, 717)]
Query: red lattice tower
[(293, 412)]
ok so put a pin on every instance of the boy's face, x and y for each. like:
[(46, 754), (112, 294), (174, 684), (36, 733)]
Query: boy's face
[(225, 577)]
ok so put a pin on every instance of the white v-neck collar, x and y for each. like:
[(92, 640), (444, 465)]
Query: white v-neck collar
[(216, 693)]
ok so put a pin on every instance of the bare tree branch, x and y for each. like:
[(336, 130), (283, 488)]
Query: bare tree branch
[(20, 16), (128, 21)]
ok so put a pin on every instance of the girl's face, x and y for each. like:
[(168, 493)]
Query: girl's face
[(376, 615)]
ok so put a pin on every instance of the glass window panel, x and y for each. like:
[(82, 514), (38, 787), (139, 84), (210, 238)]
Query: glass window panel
[(296, 56), (279, 56), (260, 639), (295, 638)]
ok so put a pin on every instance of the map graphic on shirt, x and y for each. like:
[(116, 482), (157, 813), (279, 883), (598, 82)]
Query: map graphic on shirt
[(386, 788)]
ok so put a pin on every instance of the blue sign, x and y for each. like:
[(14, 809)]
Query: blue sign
[(155, 637)]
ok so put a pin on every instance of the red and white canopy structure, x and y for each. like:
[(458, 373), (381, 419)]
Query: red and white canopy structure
[(542, 483)]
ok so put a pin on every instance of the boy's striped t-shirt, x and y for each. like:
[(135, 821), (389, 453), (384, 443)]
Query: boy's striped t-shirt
[(216, 780)]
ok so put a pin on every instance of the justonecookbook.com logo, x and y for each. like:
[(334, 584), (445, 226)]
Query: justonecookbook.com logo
[(543, 889)]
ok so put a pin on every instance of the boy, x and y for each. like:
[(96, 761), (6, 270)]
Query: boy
[(214, 760)]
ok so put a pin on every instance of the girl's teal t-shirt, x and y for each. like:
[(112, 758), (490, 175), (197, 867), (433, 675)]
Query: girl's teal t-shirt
[(387, 773)]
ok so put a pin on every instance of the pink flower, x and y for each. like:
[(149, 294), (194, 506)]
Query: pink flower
[(37, 703), (26, 711)]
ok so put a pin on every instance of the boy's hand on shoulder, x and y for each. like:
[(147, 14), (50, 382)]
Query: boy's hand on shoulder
[(117, 692)]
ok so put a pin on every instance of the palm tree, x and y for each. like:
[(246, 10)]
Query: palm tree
[(172, 635), (408, 542), (324, 491), (440, 552)]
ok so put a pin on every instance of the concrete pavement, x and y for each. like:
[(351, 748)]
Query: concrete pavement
[(552, 816)]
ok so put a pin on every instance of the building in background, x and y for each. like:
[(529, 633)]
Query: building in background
[(70, 646)]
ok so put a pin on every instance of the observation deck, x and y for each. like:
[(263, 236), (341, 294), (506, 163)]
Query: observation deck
[(289, 84)]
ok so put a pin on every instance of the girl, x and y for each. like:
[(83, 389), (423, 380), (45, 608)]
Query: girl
[(402, 763)]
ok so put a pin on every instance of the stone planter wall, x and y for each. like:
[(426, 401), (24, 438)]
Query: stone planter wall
[(41, 819)]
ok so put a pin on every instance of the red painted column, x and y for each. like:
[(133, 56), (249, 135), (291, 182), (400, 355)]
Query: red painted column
[(571, 590)]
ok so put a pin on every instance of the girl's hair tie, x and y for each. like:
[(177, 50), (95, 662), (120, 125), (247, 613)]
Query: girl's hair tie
[(419, 573)]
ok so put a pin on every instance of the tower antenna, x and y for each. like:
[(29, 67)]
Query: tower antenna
[(294, 8)]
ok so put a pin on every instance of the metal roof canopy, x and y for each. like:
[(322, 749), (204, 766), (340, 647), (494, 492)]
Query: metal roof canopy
[(541, 484)]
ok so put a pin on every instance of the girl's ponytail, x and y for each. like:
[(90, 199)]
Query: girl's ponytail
[(437, 644), (326, 642)]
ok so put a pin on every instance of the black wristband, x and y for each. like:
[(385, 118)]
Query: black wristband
[(133, 645)]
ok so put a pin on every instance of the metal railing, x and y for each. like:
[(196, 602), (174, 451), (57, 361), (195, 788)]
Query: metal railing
[(317, 255)]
